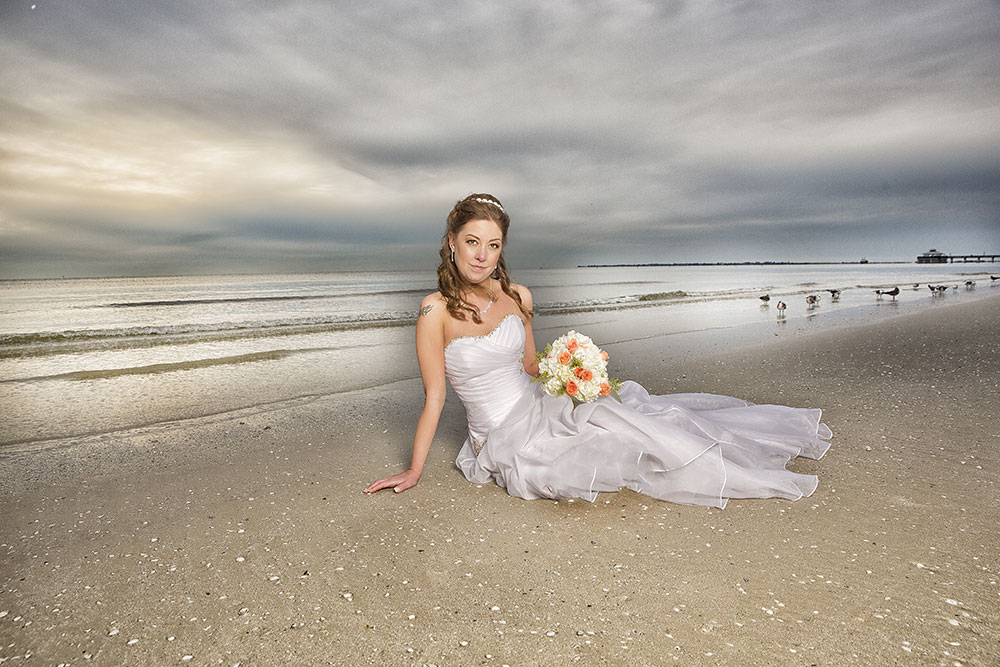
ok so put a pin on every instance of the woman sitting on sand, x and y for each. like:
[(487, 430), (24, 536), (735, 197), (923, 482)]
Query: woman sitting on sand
[(698, 449)]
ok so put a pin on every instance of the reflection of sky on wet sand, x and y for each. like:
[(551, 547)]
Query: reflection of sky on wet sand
[(212, 344)]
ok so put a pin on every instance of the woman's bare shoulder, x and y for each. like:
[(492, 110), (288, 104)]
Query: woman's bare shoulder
[(432, 304), (524, 293)]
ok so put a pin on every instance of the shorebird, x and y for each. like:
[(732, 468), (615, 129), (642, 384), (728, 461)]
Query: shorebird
[(942, 288), (970, 283), (834, 294), (781, 307), (812, 299), (994, 277), (765, 298), (892, 292), (916, 285)]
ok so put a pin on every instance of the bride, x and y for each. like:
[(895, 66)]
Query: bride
[(698, 449)]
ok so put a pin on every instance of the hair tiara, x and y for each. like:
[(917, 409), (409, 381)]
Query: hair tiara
[(484, 200)]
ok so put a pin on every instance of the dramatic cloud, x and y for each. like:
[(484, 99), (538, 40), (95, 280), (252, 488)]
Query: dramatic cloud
[(143, 136)]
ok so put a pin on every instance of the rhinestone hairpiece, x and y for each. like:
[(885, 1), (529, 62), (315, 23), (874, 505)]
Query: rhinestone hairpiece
[(483, 200)]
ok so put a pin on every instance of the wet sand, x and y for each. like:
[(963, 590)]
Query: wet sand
[(245, 538)]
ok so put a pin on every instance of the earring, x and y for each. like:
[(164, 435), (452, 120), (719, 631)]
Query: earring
[(452, 255)]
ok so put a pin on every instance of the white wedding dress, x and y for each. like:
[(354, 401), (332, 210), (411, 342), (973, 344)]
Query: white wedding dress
[(697, 449)]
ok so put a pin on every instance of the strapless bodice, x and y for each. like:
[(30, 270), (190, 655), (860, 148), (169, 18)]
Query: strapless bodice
[(487, 373)]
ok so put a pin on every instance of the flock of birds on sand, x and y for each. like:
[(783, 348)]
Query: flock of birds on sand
[(812, 300)]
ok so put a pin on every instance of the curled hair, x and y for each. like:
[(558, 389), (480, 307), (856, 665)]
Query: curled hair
[(450, 283)]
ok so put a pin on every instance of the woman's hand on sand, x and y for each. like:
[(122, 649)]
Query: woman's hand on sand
[(400, 482)]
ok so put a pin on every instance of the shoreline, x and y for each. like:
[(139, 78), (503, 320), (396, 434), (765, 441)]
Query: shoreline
[(628, 334), (246, 538), (68, 370)]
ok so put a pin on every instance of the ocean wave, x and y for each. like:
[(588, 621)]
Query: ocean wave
[(645, 300), (46, 343), (253, 299), (71, 341), (152, 369), (616, 283), (663, 296)]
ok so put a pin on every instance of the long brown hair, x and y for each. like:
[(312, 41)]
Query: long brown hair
[(450, 283)]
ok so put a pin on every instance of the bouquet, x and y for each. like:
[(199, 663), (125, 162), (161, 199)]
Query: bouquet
[(574, 366)]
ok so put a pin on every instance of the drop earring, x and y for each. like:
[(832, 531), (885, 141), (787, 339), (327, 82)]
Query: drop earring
[(452, 255)]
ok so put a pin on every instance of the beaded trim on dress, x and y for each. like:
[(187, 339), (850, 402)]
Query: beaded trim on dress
[(485, 335)]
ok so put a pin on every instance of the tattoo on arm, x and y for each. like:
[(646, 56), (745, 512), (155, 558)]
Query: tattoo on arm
[(425, 310)]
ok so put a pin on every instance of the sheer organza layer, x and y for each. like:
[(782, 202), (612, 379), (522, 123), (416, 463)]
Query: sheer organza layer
[(698, 449)]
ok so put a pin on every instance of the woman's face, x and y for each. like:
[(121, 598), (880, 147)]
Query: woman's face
[(477, 247)]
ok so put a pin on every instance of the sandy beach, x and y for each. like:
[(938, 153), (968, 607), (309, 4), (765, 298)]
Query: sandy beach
[(245, 539)]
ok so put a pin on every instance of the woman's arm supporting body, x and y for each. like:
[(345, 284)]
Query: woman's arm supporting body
[(430, 356), (530, 362)]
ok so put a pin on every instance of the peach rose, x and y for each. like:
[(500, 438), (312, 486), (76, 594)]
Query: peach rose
[(571, 388), (564, 358), (586, 375), (604, 355), (605, 389), (572, 345)]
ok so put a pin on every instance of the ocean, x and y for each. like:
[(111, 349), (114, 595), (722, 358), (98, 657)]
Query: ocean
[(87, 356)]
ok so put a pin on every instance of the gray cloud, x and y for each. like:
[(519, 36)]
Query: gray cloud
[(205, 136)]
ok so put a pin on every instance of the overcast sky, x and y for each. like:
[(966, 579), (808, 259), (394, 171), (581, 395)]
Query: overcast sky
[(146, 136)]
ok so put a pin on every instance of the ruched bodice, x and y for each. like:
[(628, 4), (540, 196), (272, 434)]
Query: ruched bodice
[(699, 449), (487, 373)]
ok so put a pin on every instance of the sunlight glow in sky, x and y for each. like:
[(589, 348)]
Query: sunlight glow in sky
[(190, 137)]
